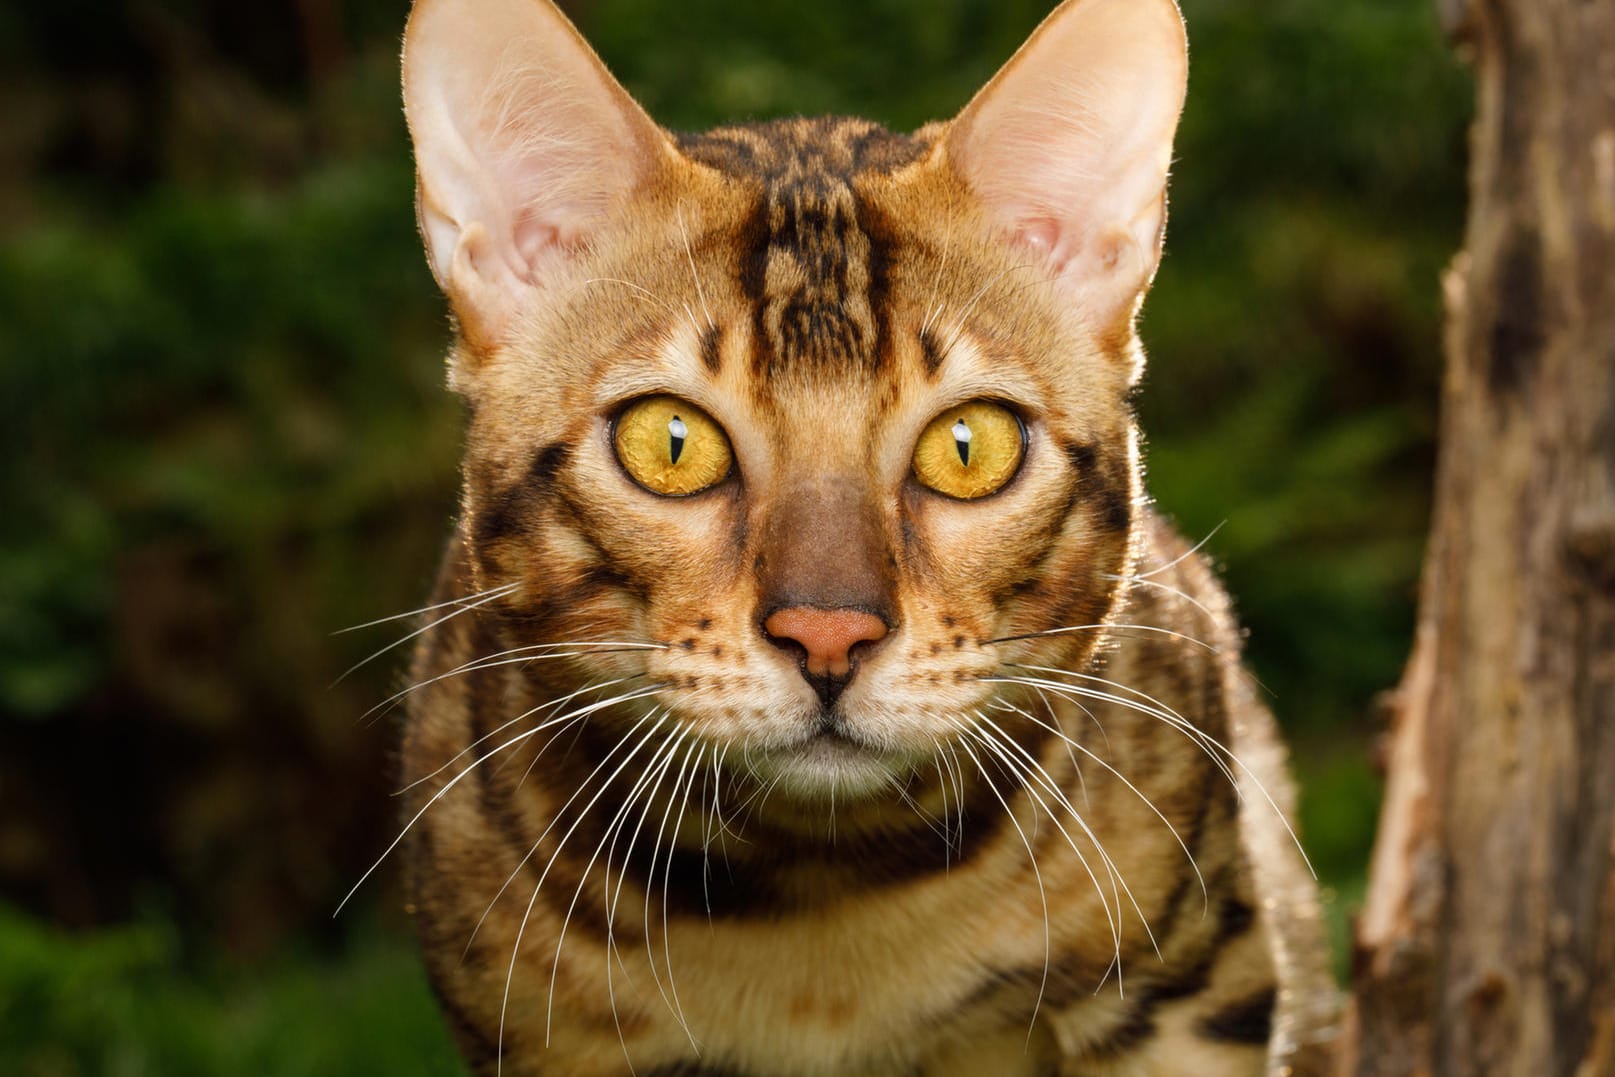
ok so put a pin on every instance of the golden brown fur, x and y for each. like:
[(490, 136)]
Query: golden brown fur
[(1047, 836)]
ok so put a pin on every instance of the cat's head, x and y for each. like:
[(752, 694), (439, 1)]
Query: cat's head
[(812, 418)]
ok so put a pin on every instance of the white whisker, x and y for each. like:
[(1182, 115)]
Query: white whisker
[(1204, 740), (458, 600), (555, 818), (492, 596), (452, 782), (515, 949), (1168, 588), (934, 307), (650, 875), (1103, 628), (1035, 770), (690, 255), (1074, 745), (610, 833), (1036, 874), (494, 732), (1143, 704), (1184, 556)]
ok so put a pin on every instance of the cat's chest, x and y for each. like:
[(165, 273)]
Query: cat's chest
[(892, 989)]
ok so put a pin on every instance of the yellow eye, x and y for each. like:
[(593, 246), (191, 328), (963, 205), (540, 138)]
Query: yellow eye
[(671, 447), (969, 451)]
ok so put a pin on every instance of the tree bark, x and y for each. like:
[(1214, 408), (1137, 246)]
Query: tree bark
[(1487, 941)]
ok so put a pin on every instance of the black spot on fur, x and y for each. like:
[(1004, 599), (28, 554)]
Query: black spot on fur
[(505, 513), (1113, 507), (1235, 919), (1082, 457), (1249, 1020), (549, 461)]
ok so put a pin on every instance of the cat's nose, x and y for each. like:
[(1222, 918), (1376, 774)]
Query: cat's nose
[(827, 635)]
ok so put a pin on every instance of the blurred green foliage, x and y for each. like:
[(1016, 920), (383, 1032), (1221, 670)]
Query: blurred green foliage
[(109, 1004), (226, 437)]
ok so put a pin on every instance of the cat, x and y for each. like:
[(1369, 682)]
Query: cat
[(811, 688)]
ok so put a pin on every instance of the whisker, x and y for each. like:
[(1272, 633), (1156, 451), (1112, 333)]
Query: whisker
[(1205, 740), (1103, 628), (599, 686), (672, 1003), (690, 255), (667, 884), (1055, 719), (458, 600), (1185, 555), (1037, 874), (1168, 588), (643, 292), (1143, 704), (924, 816), (515, 949), (557, 815), (610, 833), (934, 307), (1035, 774), (495, 661), (1199, 737), (956, 768), (452, 782), (724, 830), (947, 832), (465, 608), (1035, 770), (1074, 745)]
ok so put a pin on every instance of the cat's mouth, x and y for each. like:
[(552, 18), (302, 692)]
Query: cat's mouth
[(830, 761)]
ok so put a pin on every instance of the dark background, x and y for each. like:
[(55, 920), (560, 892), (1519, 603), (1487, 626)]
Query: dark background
[(226, 437)]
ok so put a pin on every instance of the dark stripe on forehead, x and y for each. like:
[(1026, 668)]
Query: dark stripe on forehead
[(796, 152), (711, 356), (813, 261), (930, 351)]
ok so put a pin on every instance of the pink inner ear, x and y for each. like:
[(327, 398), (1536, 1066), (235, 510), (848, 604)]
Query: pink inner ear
[(533, 239), (1042, 236)]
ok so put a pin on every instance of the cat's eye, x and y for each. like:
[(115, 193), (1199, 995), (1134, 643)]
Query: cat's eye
[(970, 451), (671, 447)]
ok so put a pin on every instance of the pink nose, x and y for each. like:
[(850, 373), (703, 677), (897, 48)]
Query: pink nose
[(827, 635)]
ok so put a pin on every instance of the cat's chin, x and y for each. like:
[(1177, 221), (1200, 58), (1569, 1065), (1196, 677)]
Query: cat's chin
[(825, 767)]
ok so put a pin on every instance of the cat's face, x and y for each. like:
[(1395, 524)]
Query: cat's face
[(817, 422)]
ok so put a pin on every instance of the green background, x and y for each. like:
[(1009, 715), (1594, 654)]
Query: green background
[(226, 437)]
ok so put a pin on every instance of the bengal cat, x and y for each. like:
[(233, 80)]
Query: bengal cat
[(811, 688)]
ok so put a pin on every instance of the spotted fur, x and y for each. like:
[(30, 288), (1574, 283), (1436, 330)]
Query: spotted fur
[(1041, 828)]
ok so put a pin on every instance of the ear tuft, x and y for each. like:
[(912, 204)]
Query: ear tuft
[(523, 142), (1069, 145)]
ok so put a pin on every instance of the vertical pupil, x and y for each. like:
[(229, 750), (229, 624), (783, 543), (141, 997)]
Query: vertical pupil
[(961, 441), (676, 433)]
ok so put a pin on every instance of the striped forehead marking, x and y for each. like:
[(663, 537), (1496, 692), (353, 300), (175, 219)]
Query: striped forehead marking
[(815, 253)]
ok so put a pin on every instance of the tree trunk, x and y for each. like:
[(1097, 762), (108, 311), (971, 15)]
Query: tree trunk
[(1487, 942)]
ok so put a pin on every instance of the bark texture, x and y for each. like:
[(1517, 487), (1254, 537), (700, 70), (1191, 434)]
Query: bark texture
[(1487, 943)]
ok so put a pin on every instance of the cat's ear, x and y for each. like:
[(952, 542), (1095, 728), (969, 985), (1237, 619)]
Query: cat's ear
[(523, 141), (1069, 144)]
